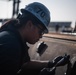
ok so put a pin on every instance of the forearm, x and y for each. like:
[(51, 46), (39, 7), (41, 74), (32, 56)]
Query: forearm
[(36, 64)]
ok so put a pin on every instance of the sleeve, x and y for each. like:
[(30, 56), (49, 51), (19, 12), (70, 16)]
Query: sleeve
[(9, 58)]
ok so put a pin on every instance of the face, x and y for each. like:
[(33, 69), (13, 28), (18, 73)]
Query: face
[(36, 32)]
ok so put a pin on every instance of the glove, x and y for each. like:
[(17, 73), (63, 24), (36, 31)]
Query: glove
[(65, 60), (59, 61), (47, 71)]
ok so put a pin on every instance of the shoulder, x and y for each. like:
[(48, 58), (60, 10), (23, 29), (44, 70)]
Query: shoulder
[(8, 39)]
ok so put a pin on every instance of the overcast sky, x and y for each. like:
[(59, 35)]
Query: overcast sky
[(61, 10)]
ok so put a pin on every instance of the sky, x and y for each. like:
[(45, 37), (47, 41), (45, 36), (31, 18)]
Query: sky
[(61, 10)]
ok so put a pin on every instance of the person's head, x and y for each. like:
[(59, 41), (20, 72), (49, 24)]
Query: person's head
[(36, 18), (33, 22)]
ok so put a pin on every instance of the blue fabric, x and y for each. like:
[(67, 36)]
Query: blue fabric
[(13, 52)]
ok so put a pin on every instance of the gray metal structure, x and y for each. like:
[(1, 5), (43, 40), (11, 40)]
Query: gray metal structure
[(15, 8)]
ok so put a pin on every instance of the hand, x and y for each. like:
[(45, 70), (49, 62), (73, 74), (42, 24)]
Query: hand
[(47, 71), (56, 59), (59, 61), (62, 60)]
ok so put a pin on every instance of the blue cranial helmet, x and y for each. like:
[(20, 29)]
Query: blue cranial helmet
[(40, 11)]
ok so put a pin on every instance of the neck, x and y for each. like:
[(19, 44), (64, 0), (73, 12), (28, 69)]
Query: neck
[(24, 34)]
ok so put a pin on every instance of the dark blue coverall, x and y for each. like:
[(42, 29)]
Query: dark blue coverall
[(13, 52)]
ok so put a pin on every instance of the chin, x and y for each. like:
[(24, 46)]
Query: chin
[(31, 42)]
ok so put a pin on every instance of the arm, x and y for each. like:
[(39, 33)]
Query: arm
[(35, 64), (33, 67)]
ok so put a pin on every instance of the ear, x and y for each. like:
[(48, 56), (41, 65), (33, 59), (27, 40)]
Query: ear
[(30, 24)]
